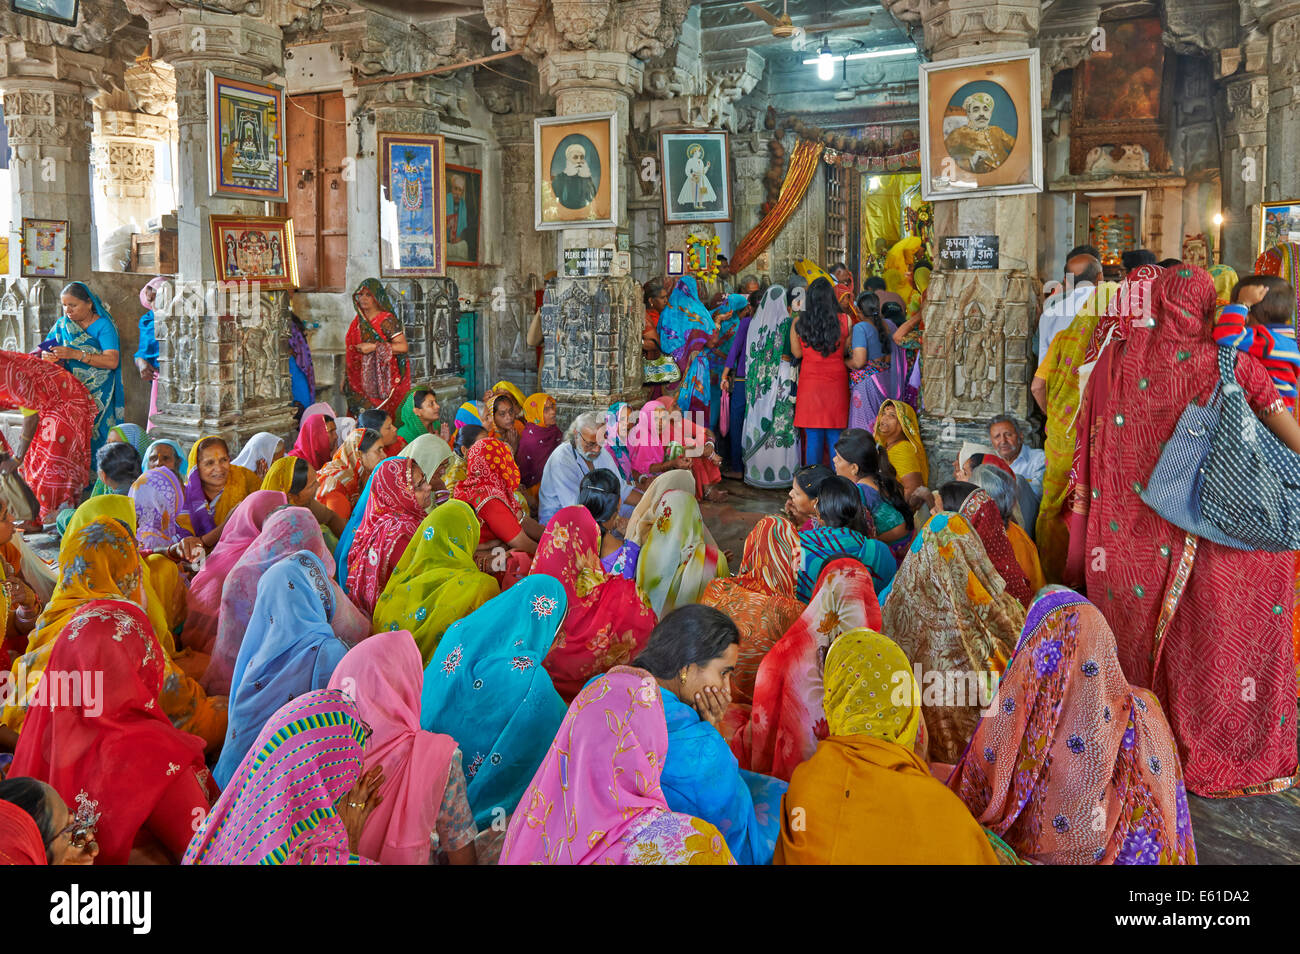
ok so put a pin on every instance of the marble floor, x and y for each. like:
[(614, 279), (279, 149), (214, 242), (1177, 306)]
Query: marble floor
[(1261, 829)]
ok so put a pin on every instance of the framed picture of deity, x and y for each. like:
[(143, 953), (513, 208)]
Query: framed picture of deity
[(255, 248), (245, 139), (45, 248), (59, 11), (413, 196), (980, 127), (576, 171), (695, 176), (1279, 224), (464, 205)]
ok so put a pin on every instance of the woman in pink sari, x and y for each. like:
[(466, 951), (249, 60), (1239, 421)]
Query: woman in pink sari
[(607, 622), (285, 532), (398, 502), (205, 590), (1071, 765), (423, 795), (663, 440), (595, 799), (316, 440), (782, 728)]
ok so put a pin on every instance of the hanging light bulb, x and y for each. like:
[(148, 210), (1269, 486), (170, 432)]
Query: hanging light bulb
[(825, 62)]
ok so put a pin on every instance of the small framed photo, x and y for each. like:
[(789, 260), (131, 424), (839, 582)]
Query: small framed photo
[(245, 139), (59, 11), (464, 205), (1279, 223), (980, 128), (255, 248), (576, 171), (45, 248), (413, 222), (696, 177), (676, 263)]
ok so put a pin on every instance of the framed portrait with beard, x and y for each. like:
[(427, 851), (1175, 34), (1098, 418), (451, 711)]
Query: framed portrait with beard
[(980, 127), (576, 171)]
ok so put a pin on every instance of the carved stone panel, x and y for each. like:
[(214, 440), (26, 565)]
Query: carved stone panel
[(429, 309)]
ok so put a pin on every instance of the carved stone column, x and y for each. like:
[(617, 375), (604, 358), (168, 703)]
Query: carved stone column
[(977, 323), (125, 144), (223, 352), (590, 56), (49, 122), (1281, 20), (1245, 153)]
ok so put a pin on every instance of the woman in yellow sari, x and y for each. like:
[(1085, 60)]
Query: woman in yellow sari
[(1060, 369), (215, 488), (677, 561), (436, 582), (99, 560), (899, 432), (865, 797)]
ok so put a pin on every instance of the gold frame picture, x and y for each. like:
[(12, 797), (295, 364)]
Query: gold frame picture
[(245, 249)]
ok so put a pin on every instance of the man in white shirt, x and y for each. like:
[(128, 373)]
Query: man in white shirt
[(1027, 462), (1082, 272), (583, 451)]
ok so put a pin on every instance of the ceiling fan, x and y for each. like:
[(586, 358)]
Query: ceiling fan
[(783, 28)]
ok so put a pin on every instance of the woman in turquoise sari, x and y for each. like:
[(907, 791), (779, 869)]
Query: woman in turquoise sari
[(486, 688), (842, 530), (686, 330), (692, 654), (84, 340), (726, 318)]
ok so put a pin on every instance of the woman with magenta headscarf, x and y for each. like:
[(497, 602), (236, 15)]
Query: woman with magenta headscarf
[(84, 341)]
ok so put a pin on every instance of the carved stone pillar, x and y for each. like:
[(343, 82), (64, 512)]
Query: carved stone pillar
[(1245, 153), (590, 56), (977, 323), (125, 144), (49, 122), (1281, 20), (223, 353)]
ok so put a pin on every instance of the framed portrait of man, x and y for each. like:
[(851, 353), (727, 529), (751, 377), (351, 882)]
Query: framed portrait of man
[(1279, 224), (696, 177), (464, 203), (576, 171), (980, 127)]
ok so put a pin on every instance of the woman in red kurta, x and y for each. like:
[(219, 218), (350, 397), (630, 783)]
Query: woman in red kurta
[(56, 460), (820, 338), (378, 372), (489, 486), (121, 759), (1197, 622)]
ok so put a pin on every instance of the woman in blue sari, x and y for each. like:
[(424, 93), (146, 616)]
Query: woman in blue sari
[(726, 318), (686, 330), (84, 340), (486, 688), (288, 649), (842, 530), (692, 654)]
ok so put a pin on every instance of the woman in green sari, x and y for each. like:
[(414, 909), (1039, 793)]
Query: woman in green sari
[(771, 451)]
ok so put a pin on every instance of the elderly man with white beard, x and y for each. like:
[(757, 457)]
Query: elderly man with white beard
[(574, 187), (583, 451)]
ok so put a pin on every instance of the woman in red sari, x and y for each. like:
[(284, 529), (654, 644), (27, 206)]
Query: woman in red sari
[(607, 623), (378, 372), (782, 728), (760, 598), (399, 501), (54, 451), (1194, 621), (122, 760)]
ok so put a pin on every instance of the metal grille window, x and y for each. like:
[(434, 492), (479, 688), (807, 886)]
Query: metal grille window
[(843, 218)]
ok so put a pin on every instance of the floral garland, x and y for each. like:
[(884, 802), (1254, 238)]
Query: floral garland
[(710, 244), (909, 161)]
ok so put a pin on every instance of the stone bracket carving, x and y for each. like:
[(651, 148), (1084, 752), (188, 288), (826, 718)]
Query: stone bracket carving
[(642, 28)]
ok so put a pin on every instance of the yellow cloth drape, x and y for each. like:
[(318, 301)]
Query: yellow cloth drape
[(882, 208), (1070, 347), (803, 164)]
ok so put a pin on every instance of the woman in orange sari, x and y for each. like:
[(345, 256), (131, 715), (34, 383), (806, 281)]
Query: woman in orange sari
[(339, 483), (607, 623), (760, 598)]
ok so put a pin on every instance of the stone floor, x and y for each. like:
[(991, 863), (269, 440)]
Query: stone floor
[(1262, 829)]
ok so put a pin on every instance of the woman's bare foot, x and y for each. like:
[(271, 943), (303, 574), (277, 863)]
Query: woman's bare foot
[(715, 494)]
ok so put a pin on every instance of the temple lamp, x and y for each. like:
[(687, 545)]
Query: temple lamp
[(1218, 237), (825, 61)]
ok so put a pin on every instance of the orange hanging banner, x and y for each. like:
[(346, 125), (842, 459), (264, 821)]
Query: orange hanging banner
[(803, 164)]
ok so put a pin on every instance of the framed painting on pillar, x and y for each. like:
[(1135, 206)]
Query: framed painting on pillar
[(981, 132), (45, 248), (696, 177), (464, 205), (576, 171), (58, 11), (412, 205), (255, 248), (1279, 224), (245, 139)]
